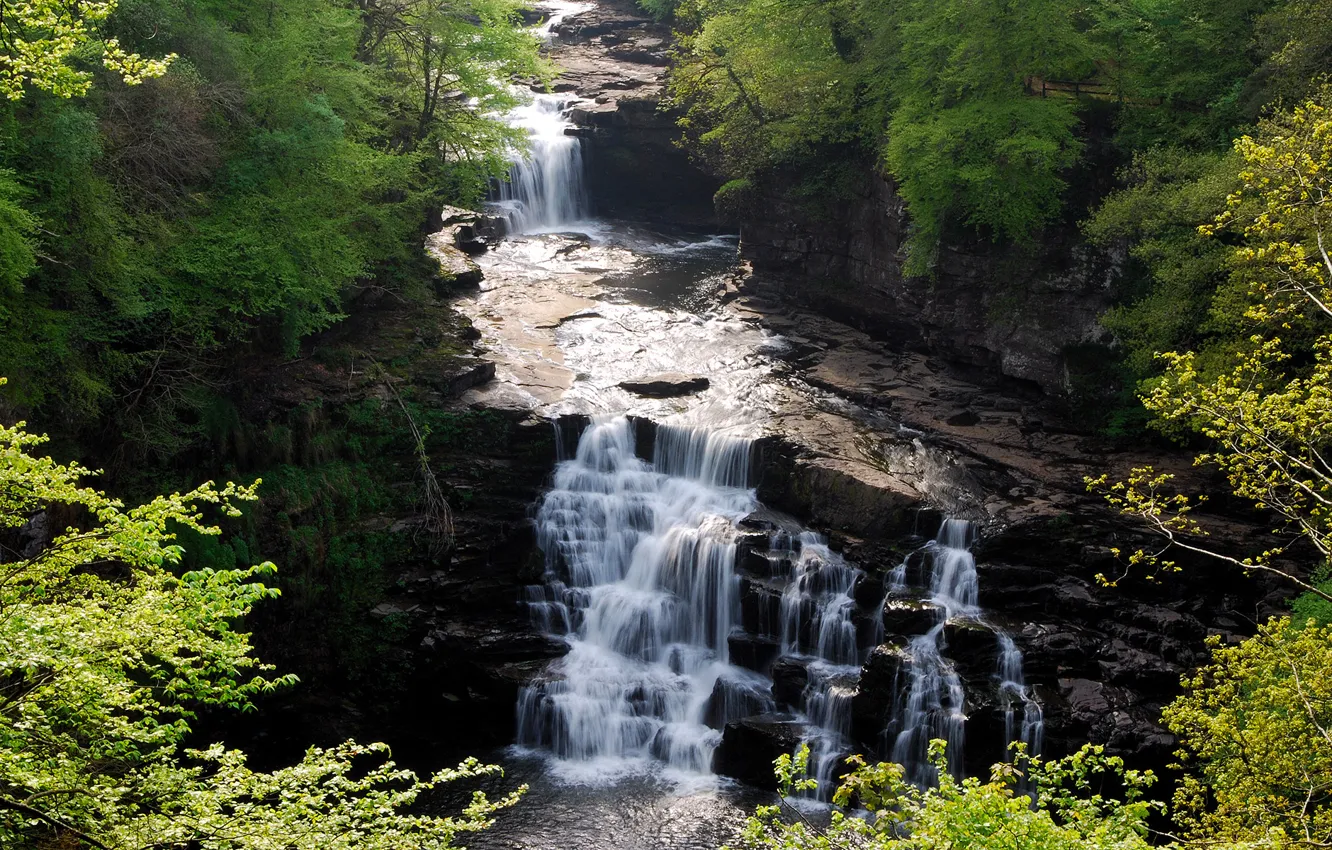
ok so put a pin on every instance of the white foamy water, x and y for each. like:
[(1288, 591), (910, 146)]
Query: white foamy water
[(641, 556), (546, 188)]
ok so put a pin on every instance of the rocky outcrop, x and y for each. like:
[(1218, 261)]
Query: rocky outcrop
[(451, 245), (1009, 314), (750, 746), (613, 59)]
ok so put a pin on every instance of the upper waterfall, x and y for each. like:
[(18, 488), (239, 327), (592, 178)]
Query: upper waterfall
[(546, 187)]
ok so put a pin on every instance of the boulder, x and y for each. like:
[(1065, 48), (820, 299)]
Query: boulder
[(789, 677), (455, 267), (756, 562), (753, 652), (761, 606), (735, 697), (667, 385), (910, 617), (749, 747), (882, 681), (972, 647)]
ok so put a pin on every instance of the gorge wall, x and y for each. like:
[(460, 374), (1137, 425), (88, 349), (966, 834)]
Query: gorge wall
[(1011, 312)]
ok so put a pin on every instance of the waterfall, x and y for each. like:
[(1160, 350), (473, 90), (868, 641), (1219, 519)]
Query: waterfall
[(545, 190), (1023, 719), (546, 187), (647, 581), (817, 622), (640, 559), (934, 703)]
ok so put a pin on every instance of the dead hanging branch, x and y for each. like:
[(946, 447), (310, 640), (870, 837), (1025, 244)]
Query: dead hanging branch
[(437, 516)]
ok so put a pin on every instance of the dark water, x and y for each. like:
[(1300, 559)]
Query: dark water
[(633, 813), (675, 270)]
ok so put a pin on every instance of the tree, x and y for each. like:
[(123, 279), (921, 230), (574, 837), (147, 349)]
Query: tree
[(1254, 725), (1267, 416), (106, 652), (935, 92), (41, 39), (967, 142), (453, 63), (1063, 813)]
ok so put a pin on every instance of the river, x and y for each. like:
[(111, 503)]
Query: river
[(688, 607)]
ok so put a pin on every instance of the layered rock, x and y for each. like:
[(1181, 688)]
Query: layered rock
[(613, 61), (1009, 314)]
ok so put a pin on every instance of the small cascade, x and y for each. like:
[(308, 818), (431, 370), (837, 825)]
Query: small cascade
[(546, 189), (934, 704), (817, 623), (817, 603), (1023, 718)]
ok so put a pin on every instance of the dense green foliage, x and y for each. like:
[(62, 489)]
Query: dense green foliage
[(285, 161), (1063, 811), (107, 650), (1254, 726), (970, 104), (1263, 402), (41, 39)]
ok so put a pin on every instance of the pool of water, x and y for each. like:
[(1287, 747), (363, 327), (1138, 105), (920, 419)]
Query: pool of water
[(639, 812)]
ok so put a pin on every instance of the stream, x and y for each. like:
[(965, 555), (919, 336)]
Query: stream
[(686, 604)]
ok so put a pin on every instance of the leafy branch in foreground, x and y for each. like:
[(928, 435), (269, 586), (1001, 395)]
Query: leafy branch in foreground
[(39, 40), (106, 652), (1268, 417), (1064, 812), (1254, 726)]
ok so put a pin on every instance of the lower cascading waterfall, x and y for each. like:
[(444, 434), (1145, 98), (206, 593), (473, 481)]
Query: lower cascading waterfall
[(643, 579), (933, 705), (640, 560)]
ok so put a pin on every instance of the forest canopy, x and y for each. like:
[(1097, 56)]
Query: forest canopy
[(979, 109), (179, 180)]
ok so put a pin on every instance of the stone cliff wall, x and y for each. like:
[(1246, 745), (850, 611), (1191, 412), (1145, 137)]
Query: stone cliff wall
[(614, 60), (1009, 313)]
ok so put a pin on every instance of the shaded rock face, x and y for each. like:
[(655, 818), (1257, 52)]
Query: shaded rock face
[(614, 60), (1103, 662), (750, 746), (1008, 315), (449, 643)]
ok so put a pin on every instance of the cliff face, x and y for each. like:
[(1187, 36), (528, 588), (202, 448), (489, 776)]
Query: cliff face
[(1010, 313), (613, 61)]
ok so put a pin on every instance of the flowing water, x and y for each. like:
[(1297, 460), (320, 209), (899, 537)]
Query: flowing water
[(641, 556), (685, 604), (546, 188)]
